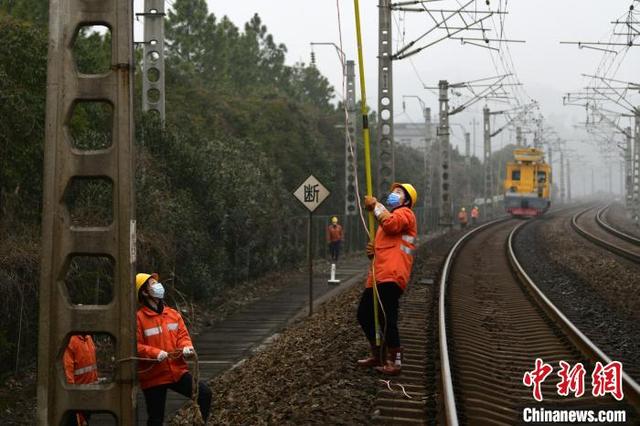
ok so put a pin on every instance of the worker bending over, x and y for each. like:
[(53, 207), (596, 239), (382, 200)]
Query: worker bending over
[(392, 253), (164, 340)]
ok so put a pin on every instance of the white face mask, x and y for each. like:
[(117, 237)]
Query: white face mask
[(156, 290)]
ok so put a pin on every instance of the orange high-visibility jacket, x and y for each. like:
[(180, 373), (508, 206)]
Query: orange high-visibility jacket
[(161, 332), (394, 248), (334, 233), (475, 213), (79, 359), (462, 217)]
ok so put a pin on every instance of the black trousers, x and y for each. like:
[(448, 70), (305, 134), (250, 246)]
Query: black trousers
[(156, 397), (334, 250), (389, 296)]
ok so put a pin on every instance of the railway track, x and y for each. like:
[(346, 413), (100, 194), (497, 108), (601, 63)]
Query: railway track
[(590, 224), (493, 324)]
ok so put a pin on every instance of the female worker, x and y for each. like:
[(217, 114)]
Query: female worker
[(392, 253), (164, 340)]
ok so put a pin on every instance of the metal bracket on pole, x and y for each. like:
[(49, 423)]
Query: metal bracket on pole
[(446, 205), (386, 161), (488, 176), (153, 91), (59, 318), (350, 205)]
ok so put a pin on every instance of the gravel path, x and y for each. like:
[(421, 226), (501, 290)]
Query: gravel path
[(599, 292)]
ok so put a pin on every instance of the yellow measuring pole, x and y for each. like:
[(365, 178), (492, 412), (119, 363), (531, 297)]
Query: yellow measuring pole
[(367, 159)]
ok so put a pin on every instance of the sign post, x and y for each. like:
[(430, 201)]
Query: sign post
[(311, 194)]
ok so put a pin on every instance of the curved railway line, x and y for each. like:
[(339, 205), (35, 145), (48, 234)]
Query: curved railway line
[(493, 323), (590, 224)]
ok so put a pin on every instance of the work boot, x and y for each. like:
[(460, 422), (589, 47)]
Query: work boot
[(393, 363), (373, 360)]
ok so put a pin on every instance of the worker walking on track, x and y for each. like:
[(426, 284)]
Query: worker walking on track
[(475, 214), (164, 341), (335, 235), (463, 218), (80, 368), (392, 252)]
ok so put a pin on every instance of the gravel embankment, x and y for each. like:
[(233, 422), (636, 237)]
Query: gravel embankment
[(598, 291)]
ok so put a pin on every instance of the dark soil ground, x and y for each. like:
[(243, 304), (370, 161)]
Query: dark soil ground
[(308, 374), (599, 292)]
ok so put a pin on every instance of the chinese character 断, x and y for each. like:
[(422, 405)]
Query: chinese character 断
[(536, 377), (311, 193)]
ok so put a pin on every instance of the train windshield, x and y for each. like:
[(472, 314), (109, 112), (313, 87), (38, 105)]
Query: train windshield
[(515, 175)]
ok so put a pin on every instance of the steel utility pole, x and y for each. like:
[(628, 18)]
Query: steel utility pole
[(488, 178), (519, 137), (350, 143), (62, 241), (153, 90), (444, 204), (386, 160)]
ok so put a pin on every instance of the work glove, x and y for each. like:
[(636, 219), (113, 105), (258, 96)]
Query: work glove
[(370, 202), (188, 352), (162, 356), (370, 250)]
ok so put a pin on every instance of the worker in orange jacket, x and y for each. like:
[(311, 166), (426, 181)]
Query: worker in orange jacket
[(80, 368), (475, 214), (164, 341), (392, 253), (463, 219), (335, 235)]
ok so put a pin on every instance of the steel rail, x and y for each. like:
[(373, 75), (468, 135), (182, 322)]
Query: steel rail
[(579, 339), (582, 342), (599, 241), (451, 413), (610, 229)]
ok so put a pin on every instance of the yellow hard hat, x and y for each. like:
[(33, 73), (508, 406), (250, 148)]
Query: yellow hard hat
[(410, 190), (143, 278), (463, 209), (334, 220)]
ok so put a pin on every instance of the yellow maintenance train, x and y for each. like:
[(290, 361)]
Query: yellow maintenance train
[(528, 183)]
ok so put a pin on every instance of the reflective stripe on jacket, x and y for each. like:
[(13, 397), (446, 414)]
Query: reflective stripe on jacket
[(161, 332), (395, 248), (79, 359)]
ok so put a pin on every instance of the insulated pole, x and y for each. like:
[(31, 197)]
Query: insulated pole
[(367, 160)]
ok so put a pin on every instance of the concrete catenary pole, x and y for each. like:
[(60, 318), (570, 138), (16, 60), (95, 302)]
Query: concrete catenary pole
[(568, 179), (446, 205), (350, 143), (488, 175), (551, 176), (562, 181), (628, 168), (467, 149), (636, 166), (386, 161), (153, 93), (428, 162), (61, 241)]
